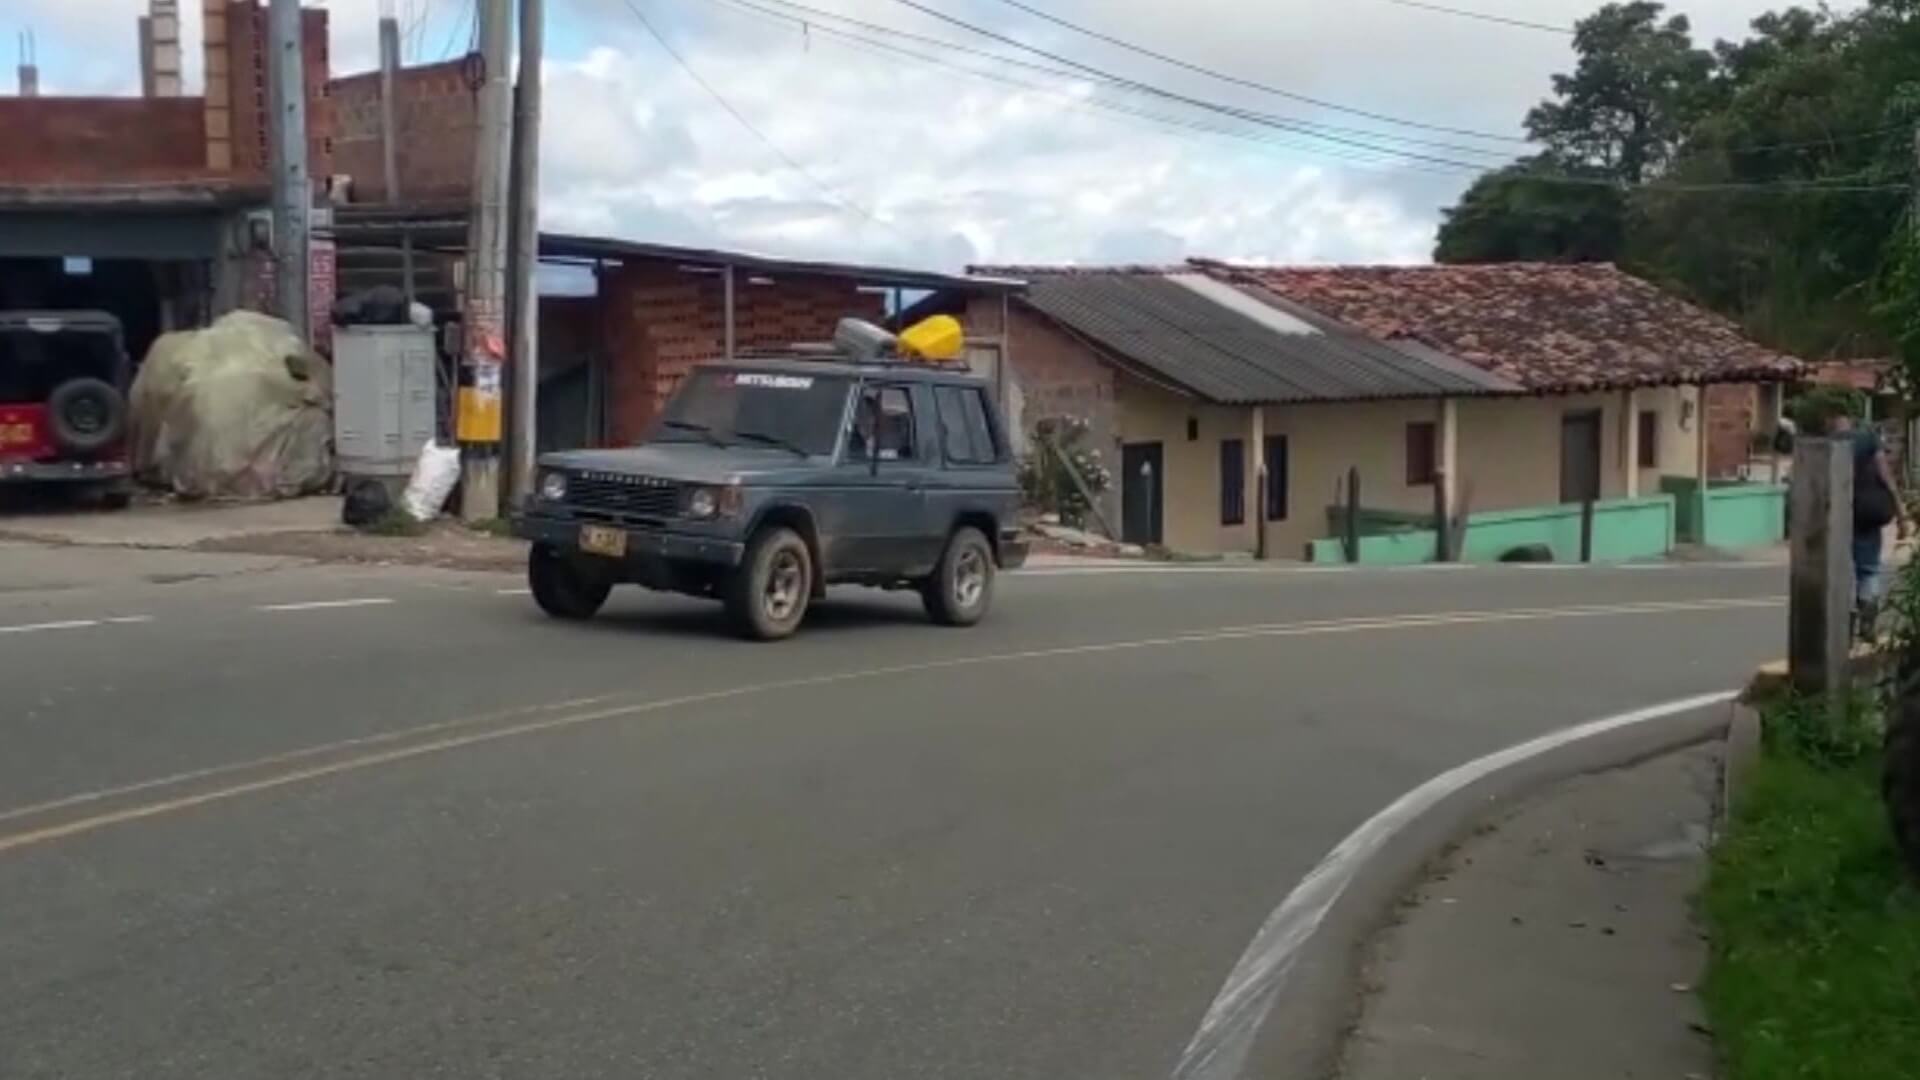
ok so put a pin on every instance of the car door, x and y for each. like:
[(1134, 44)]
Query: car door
[(881, 485)]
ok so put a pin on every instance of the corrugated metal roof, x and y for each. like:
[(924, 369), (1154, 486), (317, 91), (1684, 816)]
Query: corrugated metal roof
[(1226, 349), (565, 246)]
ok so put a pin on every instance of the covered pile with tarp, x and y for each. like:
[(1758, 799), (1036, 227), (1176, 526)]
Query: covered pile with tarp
[(241, 409)]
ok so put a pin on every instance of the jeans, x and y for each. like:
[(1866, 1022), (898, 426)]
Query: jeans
[(1866, 568)]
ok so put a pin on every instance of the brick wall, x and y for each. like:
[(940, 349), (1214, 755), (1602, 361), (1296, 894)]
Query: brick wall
[(56, 140), (53, 141), (1732, 412), (436, 116), (660, 321), (1057, 374)]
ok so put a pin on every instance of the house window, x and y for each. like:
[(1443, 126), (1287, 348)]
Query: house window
[(1276, 478), (1649, 439), (1193, 429), (1233, 482), (1422, 465)]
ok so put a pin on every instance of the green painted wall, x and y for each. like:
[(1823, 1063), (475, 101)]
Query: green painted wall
[(1737, 515), (1623, 529), (1746, 515)]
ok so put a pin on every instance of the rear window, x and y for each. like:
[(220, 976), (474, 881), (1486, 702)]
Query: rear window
[(965, 430), (33, 363)]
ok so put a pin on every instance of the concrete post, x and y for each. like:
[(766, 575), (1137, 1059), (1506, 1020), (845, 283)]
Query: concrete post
[(1257, 440), (1630, 441), (292, 190), (1702, 425), (1819, 594)]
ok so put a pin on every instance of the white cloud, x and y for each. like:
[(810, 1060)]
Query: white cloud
[(960, 169)]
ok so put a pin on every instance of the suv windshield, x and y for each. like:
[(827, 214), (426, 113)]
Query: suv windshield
[(757, 408)]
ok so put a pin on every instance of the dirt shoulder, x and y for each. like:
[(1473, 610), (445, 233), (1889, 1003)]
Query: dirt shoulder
[(443, 544)]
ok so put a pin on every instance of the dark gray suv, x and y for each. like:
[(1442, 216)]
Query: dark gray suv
[(765, 481)]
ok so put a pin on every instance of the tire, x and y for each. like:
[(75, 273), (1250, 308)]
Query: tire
[(767, 595), (560, 588), (1900, 784), (86, 415), (961, 588)]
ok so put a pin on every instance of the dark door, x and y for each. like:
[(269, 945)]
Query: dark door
[(1142, 472), (1580, 456)]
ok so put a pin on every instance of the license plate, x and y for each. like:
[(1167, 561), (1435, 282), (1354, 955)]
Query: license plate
[(600, 540), (16, 434)]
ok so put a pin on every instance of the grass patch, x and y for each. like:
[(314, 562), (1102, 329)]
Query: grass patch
[(1815, 971), (395, 522), (501, 527)]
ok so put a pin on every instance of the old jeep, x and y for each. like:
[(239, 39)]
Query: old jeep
[(63, 402), (766, 480)]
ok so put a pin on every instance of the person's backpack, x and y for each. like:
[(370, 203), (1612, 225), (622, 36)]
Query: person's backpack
[(1873, 507)]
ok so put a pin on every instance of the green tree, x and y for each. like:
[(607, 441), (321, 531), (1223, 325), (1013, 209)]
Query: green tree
[(1636, 89), (1512, 215)]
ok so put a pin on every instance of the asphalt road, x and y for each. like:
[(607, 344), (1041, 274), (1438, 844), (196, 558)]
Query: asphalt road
[(259, 819)]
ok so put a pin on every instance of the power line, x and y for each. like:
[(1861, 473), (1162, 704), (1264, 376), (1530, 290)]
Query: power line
[(1482, 16), (1289, 123), (666, 46), (815, 17), (1201, 69), (1283, 124), (876, 47)]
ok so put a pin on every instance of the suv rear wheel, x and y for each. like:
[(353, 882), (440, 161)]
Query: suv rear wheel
[(561, 588), (961, 588), (768, 593)]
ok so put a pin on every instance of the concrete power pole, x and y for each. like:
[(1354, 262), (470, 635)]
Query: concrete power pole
[(524, 308), (29, 66), (484, 322), (292, 190), (390, 140)]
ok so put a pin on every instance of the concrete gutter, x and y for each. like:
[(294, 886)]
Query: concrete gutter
[(1313, 1009)]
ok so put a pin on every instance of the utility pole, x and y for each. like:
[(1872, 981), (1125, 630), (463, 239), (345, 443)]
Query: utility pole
[(390, 139), (29, 66), (484, 321), (292, 190), (524, 309)]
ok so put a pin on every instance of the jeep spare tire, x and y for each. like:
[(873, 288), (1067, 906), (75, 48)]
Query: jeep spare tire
[(86, 415)]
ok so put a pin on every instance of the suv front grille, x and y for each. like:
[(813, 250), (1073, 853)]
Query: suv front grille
[(629, 496)]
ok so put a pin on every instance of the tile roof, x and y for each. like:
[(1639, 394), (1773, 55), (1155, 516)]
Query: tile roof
[(1548, 327), (1236, 346)]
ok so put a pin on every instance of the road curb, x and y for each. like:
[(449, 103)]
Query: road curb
[(1313, 1013)]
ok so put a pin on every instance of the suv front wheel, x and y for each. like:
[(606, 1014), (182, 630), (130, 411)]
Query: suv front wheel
[(961, 588), (768, 593), (561, 588)]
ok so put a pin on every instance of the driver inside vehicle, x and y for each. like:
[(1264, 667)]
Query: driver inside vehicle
[(882, 419)]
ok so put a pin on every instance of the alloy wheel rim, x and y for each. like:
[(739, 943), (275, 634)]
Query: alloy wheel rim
[(785, 583)]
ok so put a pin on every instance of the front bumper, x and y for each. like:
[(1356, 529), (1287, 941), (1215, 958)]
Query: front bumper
[(53, 472), (643, 545)]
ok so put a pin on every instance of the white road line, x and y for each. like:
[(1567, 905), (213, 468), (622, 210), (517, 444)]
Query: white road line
[(321, 605), (1219, 1049), (457, 738), (513, 592), (129, 620), (34, 628)]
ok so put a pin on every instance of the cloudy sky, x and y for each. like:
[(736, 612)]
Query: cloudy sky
[(905, 160)]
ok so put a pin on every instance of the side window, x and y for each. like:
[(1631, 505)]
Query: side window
[(966, 434), (882, 425)]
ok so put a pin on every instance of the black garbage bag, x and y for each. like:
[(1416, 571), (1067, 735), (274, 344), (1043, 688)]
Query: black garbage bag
[(382, 305), (367, 501)]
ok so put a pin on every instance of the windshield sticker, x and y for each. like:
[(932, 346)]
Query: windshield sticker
[(773, 382)]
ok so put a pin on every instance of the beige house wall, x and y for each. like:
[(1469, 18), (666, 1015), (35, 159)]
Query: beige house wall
[(1508, 456)]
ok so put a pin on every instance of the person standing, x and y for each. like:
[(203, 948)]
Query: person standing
[(1876, 504)]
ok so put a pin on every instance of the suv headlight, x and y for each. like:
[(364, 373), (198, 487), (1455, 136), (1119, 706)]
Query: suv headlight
[(553, 487), (707, 503)]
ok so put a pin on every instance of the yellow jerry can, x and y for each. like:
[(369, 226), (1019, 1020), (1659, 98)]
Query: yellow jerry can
[(939, 339)]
